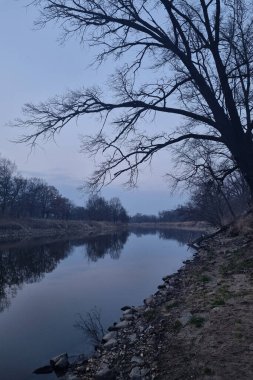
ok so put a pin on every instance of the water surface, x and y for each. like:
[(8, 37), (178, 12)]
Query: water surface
[(45, 285)]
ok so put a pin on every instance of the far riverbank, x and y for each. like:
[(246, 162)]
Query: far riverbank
[(12, 230), (18, 229)]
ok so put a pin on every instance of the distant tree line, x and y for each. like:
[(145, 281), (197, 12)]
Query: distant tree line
[(33, 198), (211, 200), (180, 214)]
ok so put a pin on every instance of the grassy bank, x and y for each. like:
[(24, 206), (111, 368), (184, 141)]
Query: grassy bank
[(39, 228)]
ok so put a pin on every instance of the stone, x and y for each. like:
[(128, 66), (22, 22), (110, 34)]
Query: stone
[(135, 373), (60, 361), (137, 360), (251, 347), (216, 309), (71, 376), (108, 336), (128, 311), (124, 308), (127, 317), (148, 301), (110, 343), (185, 317), (112, 328), (81, 368), (121, 325), (132, 338), (144, 372), (105, 373)]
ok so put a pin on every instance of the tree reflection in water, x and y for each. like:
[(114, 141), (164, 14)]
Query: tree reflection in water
[(29, 262), (180, 235), (103, 245)]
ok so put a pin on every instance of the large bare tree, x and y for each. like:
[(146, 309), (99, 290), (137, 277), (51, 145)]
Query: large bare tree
[(191, 58)]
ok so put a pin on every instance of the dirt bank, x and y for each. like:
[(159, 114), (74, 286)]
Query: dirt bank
[(198, 325), (19, 229)]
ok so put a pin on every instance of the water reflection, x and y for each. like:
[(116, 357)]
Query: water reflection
[(182, 236), (29, 262), (102, 245)]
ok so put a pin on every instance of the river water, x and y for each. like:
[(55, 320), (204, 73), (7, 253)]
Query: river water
[(46, 285)]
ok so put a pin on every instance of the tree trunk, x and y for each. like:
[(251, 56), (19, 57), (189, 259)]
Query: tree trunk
[(241, 147)]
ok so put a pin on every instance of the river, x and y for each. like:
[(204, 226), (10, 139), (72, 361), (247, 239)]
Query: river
[(46, 285)]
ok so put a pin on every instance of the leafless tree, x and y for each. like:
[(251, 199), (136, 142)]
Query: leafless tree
[(91, 326), (196, 54)]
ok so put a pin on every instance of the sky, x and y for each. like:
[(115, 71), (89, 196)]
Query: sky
[(36, 66)]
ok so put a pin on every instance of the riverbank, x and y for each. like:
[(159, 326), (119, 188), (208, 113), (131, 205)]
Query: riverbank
[(19, 229), (198, 325), (189, 226), (11, 230)]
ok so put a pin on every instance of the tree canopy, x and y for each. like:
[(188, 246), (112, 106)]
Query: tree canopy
[(191, 58)]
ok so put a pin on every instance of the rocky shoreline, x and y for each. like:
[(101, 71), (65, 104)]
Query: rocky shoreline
[(198, 325)]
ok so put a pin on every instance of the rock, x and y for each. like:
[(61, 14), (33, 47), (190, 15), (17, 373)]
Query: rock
[(127, 317), (251, 347), (144, 372), (132, 338), (135, 373), (71, 376), (105, 373), (129, 311), (121, 325), (112, 342), (44, 370), (112, 328), (216, 309), (60, 361), (148, 301), (137, 360), (81, 368), (124, 308), (185, 317), (108, 336)]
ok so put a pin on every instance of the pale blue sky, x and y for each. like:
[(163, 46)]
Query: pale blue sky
[(34, 67)]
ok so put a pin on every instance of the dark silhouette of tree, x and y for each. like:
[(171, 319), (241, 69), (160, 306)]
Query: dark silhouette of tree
[(117, 211), (7, 170), (199, 54), (218, 192), (142, 218), (99, 209)]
